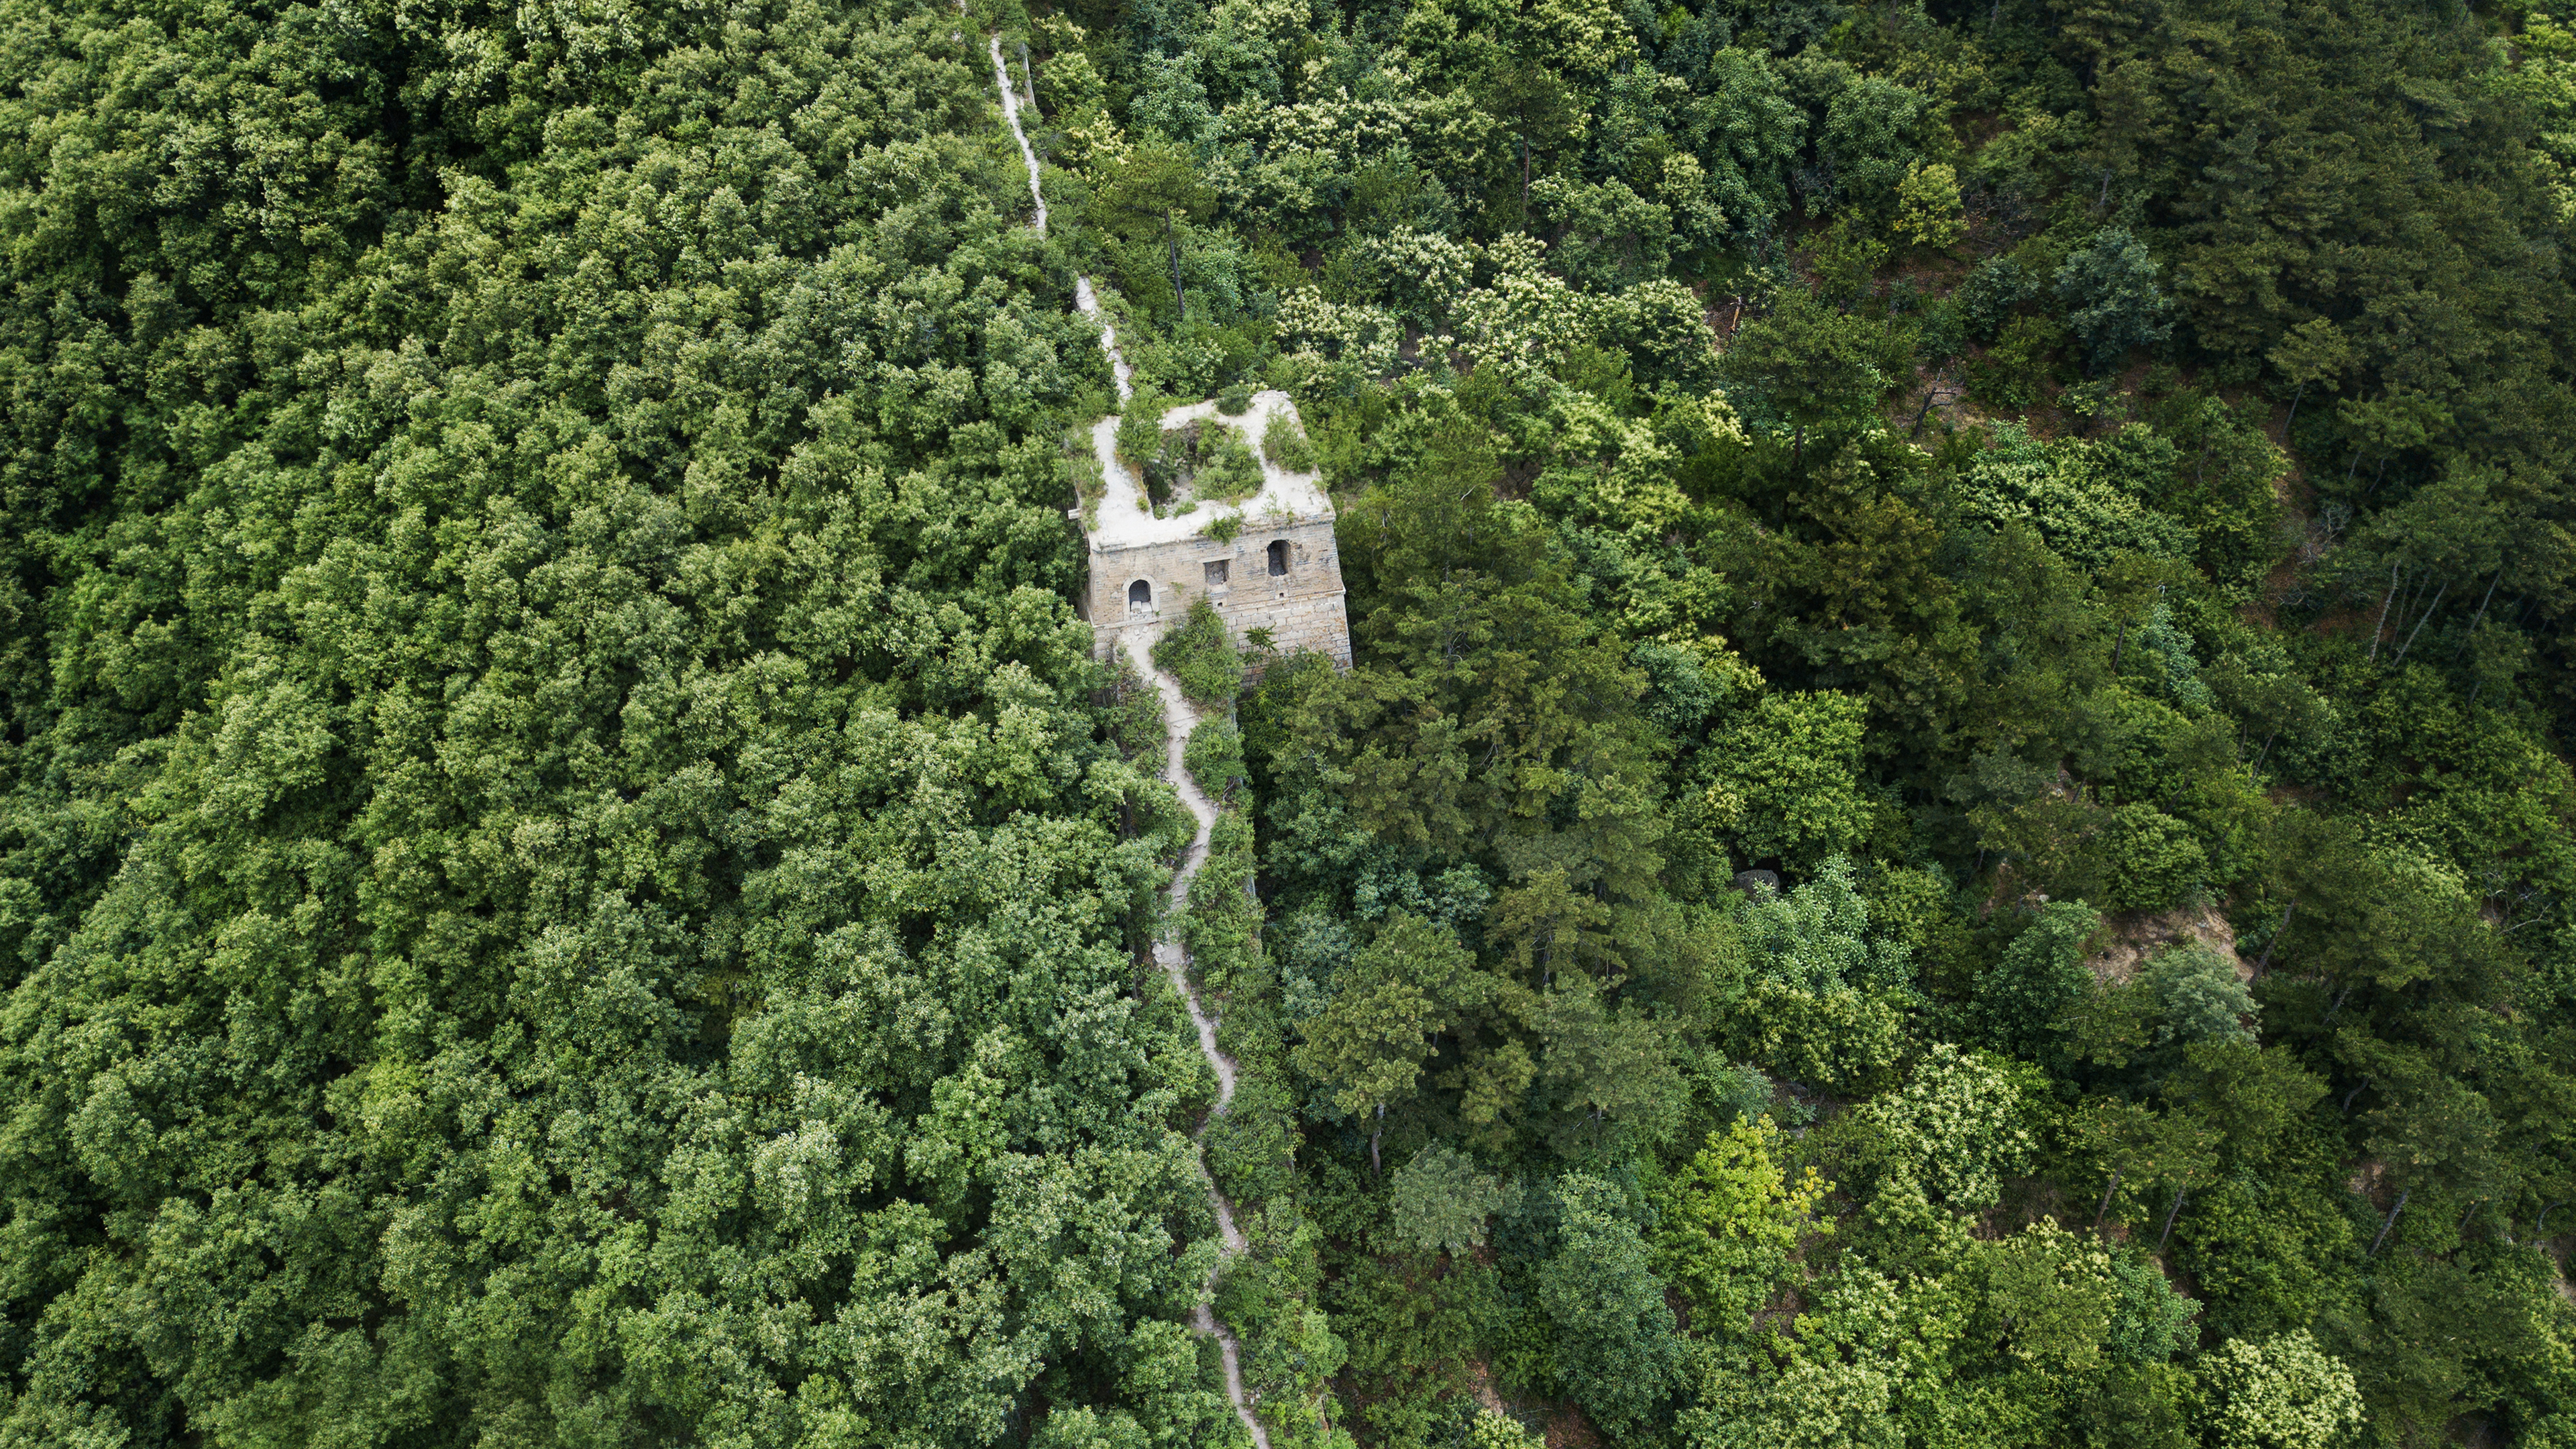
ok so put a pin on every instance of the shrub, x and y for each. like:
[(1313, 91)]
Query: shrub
[(1617, 1353), (2111, 288), (1991, 293), (1235, 400), (1729, 1222), (2150, 1321), (1927, 205), (1837, 1039), (1230, 474), (2198, 996), (2010, 374), (1131, 712), (1959, 1128), (1269, 1296), (1215, 756), (1494, 1429), (1284, 443), (1785, 776), (1140, 430), (2056, 1292), (2155, 860), (1223, 926), (1082, 469), (2021, 1003), (1442, 1202), (1201, 657), (2282, 1394)]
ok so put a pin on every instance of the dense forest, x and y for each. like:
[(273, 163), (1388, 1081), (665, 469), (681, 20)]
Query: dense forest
[(1952, 825)]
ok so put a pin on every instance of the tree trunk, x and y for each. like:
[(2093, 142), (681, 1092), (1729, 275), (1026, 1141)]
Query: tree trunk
[(2412, 590), (2392, 1222), (2482, 615), (2174, 1212), (1172, 234), (2389, 598), (2105, 1208), (2285, 915), (1374, 1134), (2294, 411), (2420, 623)]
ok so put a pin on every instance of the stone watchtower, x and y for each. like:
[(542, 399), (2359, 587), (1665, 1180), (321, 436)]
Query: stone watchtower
[(1281, 571)]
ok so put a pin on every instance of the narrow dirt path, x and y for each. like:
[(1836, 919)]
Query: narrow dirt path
[(1174, 958), (1085, 300), (1178, 717)]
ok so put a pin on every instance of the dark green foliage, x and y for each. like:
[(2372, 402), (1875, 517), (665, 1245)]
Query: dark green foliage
[(1214, 757), (568, 875), (1615, 1351), (2198, 996), (567, 830), (1201, 655), (2109, 288), (2149, 1320), (2023, 1002), (1990, 293)]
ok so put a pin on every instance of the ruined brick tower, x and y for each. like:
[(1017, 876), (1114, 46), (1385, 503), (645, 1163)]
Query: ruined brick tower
[(1281, 571)]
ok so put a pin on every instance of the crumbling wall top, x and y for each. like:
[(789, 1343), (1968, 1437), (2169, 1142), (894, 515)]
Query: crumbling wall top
[(1285, 497)]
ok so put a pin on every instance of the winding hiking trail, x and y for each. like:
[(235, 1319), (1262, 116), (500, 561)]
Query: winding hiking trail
[(1174, 958), (1178, 717), (1084, 299)]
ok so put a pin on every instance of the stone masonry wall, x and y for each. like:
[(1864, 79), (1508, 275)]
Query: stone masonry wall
[(1302, 609)]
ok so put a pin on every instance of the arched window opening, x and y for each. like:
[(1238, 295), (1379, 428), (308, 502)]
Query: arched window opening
[(1140, 597), (1279, 558)]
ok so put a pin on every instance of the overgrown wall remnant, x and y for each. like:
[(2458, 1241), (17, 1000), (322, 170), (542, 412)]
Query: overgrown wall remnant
[(1301, 608)]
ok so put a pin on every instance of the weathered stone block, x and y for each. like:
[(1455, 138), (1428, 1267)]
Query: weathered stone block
[(1281, 572)]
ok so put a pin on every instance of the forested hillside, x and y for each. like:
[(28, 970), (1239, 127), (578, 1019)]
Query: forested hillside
[(1952, 825)]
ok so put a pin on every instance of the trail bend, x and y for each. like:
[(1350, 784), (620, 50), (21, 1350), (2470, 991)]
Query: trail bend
[(1171, 952)]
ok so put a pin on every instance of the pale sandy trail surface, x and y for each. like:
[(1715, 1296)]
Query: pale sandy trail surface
[(1178, 717), (1174, 958)]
